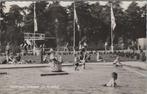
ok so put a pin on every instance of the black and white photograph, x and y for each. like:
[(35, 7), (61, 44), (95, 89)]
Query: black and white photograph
[(73, 47)]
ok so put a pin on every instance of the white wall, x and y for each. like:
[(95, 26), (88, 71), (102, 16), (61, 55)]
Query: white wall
[(142, 42)]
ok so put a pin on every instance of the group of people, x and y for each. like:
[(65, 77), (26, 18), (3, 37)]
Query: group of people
[(56, 60), (12, 59)]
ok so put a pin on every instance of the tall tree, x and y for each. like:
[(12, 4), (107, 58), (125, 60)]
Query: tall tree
[(2, 21), (14, 19), (134, 18), (56, 12)]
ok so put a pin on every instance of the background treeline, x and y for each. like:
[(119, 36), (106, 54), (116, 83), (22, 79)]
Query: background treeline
[(94, 21)]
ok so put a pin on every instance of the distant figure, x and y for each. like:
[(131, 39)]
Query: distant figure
[(45, 59), (85, 44), (7, 51), (66, 48), (53, 57), (98, 58), (41, 53), (106, 44), (4, 61), (112, 82), (88, 57), (25, 46), (117, 62), (60, 59), (11, 59), (18, 58), (43, 49), (142, 55), (83, 57), (76, 61), (56, 61), (80, 45)]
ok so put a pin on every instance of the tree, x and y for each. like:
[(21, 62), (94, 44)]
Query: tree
[(2, 21), (94, 20), (101, 26), (85, 21), (56, 12), (135, 22), (134, 19), (13, 19), (141, 33)]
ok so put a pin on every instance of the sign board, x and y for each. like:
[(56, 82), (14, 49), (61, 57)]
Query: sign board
[(34, 36), (142, 42), (1, 18)]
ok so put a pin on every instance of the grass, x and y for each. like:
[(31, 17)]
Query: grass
[(69, 58)]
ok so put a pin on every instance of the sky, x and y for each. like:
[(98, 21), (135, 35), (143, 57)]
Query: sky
[(124, 4)]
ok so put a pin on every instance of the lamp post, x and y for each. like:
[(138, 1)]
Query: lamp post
[(106, 44), (56, 31), (21, 26), (0, 27), (1, 19)]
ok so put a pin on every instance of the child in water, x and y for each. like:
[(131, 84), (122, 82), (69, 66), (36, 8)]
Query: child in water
[(116, 62), (112, 81)]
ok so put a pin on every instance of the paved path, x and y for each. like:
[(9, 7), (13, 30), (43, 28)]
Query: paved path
[(135, 64), (89, 81)]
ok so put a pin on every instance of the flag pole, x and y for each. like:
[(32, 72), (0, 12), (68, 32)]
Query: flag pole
[(1, 19), (112, 46), (74, 32), (34, 27), (0, 24)]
